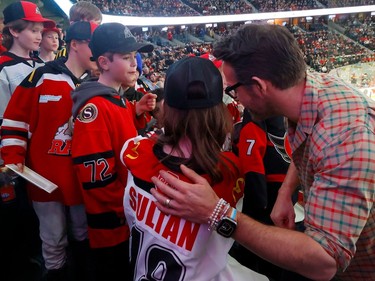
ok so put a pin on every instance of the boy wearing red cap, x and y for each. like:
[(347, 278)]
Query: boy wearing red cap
[(37, 132), (49, 44), (22, 33)]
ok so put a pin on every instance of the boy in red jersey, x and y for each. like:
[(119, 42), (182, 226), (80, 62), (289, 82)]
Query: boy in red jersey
[(37, 131), (104, 120), (21, 35), (264, 153)]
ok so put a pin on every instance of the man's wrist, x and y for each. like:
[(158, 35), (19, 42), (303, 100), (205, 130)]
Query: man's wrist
[(228, 223), (286, 190), (223, 219)]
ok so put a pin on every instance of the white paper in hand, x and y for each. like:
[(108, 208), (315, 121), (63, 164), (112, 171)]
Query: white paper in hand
[(34, 178)]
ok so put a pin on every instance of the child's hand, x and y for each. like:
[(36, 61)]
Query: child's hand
[(146, 103)]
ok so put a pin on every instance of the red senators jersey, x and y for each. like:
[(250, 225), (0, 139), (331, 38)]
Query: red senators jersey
[(169, 248), (102, 125), (263, 152), (234, 112), (37, 131), (233, 108)]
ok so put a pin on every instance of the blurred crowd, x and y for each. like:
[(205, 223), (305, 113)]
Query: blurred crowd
[(216, 7)]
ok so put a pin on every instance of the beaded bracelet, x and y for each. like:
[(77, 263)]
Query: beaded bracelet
[(213, 218), (218, 213), (224, 212)]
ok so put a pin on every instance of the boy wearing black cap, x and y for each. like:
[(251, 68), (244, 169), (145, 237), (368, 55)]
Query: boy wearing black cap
[(196, 125), (37, 131), (104, 120), (81, 11)]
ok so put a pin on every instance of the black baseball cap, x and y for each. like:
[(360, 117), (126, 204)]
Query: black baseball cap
[(115, 38), (190, 71), (80, 30), (24, 10)]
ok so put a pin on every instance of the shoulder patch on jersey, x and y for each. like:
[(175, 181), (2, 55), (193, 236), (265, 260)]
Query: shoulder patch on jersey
[(282, 146), (88, 113)]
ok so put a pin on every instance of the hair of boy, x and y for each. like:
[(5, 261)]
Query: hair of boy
[(18, 26), (85, 11)]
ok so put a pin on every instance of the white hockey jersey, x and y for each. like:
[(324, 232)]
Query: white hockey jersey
[(169, 248)]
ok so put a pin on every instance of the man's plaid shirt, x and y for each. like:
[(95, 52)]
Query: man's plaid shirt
[(333, 147)]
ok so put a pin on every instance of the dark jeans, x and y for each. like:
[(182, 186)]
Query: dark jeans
[(112, 263), (20, 245)]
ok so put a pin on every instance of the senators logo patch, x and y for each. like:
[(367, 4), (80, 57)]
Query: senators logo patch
[(282, 146), (88, 113)]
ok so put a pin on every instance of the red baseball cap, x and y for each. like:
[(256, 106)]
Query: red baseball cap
[(80, 30), (26, 11), (215, 61), (54, 29)]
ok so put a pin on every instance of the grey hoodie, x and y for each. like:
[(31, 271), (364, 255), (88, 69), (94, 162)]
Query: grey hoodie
[(88, 90)]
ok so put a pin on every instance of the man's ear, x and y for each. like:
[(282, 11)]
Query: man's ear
[(260, 83)]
